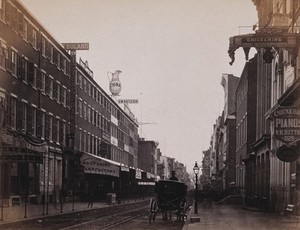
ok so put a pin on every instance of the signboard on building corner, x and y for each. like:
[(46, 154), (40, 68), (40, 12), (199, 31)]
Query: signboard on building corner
[(287, 124)]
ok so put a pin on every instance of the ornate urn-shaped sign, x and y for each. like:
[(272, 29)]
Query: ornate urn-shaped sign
[(114, 84)]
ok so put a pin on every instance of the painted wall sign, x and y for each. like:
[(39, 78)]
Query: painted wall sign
[(287, 154), (76, 46), (287, 124)]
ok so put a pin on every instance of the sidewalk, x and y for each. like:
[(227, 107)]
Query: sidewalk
[(35, 211), (233, 217)]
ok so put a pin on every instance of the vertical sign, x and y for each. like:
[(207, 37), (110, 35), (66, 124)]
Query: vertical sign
[(73, 47)]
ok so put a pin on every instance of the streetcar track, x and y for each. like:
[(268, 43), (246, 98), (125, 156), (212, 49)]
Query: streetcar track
[(105, 218), (121, 222)]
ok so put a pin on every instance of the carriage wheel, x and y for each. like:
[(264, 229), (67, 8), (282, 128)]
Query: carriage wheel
[(153, 210), (182, 211)]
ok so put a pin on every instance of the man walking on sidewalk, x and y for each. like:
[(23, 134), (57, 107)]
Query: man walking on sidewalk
[(91, 198)]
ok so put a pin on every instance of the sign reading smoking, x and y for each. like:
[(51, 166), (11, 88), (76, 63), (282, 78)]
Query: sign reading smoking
[(287, 124)]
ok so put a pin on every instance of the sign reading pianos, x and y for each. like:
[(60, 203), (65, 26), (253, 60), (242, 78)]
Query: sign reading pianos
[(96, 165), (287, 130), (287, 124)]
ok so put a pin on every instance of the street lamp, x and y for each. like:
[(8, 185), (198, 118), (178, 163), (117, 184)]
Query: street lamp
[(196, 171)]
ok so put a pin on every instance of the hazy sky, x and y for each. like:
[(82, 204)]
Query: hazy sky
[(172, 54)]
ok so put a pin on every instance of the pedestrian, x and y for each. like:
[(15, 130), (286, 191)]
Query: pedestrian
[(173, 177), (91, 198)]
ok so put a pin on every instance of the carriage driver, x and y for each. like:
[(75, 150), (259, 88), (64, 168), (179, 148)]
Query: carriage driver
[(173, 177)]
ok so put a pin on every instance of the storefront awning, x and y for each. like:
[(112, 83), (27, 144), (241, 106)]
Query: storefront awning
[(98, 165), (21, 149)]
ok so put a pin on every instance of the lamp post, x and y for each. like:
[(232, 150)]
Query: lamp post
[(196, 171)]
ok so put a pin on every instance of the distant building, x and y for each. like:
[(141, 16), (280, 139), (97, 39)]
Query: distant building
[(206, 163), (246, 128), (229, 83), (147, 155)]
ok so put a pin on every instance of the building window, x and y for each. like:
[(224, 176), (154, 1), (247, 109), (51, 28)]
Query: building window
[(80, 140), (24, 117), (64, 67), (49, 86), (79, 108), (31, 73), (80, 80), (62, 130), (89, 114), (25, 30), (58, 60), (51, 53), (19, 114), (31, 122), (84, 141), (55, 59), (63, 95), (13, 112), (88, 143), (1, 9), (34, 39), (68, 98), (3, 54), (54, 129), (13, 62), (43, 47), (24, 69), (41, 78), (58, 92), (47, 127), (40, 120), (55, 90), (84, 111), (84, 85)]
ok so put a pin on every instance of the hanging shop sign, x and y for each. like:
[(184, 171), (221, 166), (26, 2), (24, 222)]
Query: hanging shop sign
[(287, 153), (263, 39), (94, 165), (287, 124)]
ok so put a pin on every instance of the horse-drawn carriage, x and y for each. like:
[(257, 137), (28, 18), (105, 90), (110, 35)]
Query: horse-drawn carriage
[(170, 199)]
